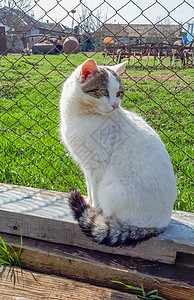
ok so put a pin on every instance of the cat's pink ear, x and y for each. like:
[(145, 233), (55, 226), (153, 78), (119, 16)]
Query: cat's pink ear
[(88, 69)]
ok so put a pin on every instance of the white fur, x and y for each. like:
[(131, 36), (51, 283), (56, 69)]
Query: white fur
[(127, 168)]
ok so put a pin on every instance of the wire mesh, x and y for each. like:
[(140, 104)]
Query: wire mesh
[(40, 45)]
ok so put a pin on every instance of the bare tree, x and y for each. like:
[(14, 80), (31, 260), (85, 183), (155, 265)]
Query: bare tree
[(17, 4), (91, 23), (162, 29), (14, 13), (160, 20)]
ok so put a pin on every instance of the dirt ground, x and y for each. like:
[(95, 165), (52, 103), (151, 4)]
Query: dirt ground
[(157, 76)]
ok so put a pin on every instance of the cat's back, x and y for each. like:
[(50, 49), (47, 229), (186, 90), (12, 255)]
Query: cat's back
[(136, 123), (140, 150), (136, 133)]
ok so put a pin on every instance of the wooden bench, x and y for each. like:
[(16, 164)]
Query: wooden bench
[(54, 244)]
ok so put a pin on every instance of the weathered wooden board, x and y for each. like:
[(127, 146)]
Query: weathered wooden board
[(98, 268), (16, 284), (45, 215)]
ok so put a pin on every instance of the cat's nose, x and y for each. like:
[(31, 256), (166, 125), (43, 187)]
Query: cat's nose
[(115, 105)]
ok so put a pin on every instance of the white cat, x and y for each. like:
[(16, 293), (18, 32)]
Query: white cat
[(130, 180)]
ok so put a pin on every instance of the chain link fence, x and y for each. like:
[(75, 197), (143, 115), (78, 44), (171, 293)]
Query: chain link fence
[(40, 45)]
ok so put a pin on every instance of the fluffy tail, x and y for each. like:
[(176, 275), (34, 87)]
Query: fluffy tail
[(102, 229)]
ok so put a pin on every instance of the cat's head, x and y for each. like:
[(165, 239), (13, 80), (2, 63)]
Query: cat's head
[(100, 86)]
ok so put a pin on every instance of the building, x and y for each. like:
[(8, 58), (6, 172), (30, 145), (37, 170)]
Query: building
[(125, 34), (20, 27)]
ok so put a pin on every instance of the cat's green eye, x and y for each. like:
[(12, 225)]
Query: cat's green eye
[(104, 93), (119, 94)]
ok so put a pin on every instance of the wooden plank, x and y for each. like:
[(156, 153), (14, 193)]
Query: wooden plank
[(172, 281), (16, 284), (45, 215)]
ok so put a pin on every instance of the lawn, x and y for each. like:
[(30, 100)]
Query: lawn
[(30, 150)]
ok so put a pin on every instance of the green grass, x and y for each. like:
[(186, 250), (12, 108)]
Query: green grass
[(144, 295), (30, 151), (8, 256)]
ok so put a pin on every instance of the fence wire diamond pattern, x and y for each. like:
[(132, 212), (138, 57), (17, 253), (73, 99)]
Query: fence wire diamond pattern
[(38, 52)]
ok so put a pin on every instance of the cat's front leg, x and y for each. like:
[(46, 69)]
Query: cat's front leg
[(89, 198), (92, 184)]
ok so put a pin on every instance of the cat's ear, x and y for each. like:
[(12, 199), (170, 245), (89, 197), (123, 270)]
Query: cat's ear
[(119, 69), (88, 69)]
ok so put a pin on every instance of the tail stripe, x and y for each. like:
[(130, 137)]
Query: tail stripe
[(86, 221), (103, 230)]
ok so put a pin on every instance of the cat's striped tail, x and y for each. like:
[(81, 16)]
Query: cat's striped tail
[(103, 230)]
